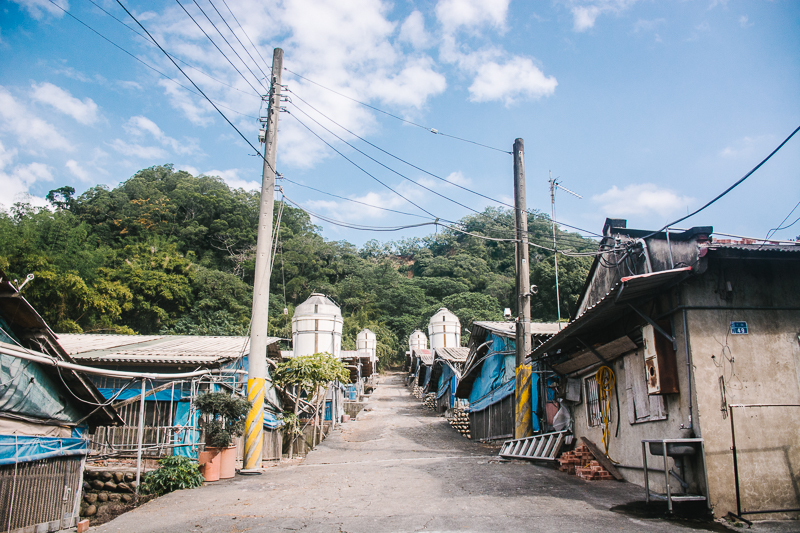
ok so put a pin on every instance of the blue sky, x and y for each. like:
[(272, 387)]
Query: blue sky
[(647, 109)]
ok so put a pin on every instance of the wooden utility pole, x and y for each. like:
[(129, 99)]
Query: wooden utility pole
[(522, 409), (257, 359)]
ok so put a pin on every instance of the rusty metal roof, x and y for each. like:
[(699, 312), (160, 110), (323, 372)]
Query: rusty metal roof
[(509, 329), (424, 355), (159, 350), (456, 355), (612, 306)]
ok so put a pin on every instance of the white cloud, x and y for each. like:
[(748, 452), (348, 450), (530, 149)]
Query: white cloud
[(458, 178), (16, 183), (196, 111), (508, 82), (78, 171), (413, 31), (746, 147), (137, 126), (585, 12), (470, 14), (232, 178), (37, 8), (648, 26), (744, 21), (412, 85), (84, 111), (29, 129), (641, 199), (138, 150)]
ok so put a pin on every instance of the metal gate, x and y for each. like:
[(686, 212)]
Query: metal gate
[(40, 492)]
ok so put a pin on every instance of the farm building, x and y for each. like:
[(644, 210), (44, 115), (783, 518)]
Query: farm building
[(45, 416), (700, 340)]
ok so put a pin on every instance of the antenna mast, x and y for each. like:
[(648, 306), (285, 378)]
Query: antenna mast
[(553, 186)]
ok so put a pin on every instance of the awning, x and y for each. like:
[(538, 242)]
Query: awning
[(628, 291)]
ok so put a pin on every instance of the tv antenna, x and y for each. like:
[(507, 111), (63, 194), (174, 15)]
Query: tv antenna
[(554, 184)]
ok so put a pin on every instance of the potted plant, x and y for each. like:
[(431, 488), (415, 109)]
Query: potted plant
[(224, 420)]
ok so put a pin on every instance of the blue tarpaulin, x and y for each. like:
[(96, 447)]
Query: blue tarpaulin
[(186, 439), (22, 448), (535, 401), (493, 396), (498, 368)]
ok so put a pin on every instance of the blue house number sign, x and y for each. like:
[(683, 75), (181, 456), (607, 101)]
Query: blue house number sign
[(739, 328)]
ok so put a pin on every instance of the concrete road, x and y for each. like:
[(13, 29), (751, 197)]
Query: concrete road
[(398, 467)]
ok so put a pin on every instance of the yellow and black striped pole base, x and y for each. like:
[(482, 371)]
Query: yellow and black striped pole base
[(522, 405), (254, 432)]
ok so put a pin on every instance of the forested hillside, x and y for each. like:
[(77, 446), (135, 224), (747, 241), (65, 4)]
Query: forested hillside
[(167, 252)]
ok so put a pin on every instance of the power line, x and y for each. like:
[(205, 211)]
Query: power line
[(154, 69), (248, 37), (350, 199), (240, 42), (382, 164), (729, 189), (229, 44), (432, 130), (359, 167), (781, 226), (98, 6), (215, 46), (413, 165), (195, 85)]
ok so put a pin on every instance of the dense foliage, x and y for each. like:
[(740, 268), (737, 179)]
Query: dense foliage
[(175, 472), (168, 252)]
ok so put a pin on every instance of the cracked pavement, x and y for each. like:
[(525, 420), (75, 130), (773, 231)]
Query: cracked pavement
[(398, 467)]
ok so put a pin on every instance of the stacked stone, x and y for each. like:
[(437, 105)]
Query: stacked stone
[(430, 401), (581, 462), (103, 487), (460, 421)]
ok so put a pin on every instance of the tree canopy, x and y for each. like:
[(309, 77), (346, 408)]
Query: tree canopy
[(167, 252)]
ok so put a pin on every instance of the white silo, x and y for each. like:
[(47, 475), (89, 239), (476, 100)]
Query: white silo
[(367, 344), (444, 330), (317, 327), (417, 340)]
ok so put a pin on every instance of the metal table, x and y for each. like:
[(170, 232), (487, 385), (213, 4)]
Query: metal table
[(669, 496)]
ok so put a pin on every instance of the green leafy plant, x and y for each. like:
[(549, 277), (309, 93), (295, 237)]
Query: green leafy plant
[(226, 417), (175, 473)]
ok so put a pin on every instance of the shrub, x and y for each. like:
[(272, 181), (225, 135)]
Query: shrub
[(227, 414), (176, 473)]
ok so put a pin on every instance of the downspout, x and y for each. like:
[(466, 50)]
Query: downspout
[(688, 369)]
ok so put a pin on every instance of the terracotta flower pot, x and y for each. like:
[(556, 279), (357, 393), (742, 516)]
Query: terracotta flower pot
[(227, 467), (211, 460)]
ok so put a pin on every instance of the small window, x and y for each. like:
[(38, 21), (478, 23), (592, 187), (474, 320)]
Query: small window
[(593, 415)]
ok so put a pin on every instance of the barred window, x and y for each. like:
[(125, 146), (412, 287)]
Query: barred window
[(593, 414)]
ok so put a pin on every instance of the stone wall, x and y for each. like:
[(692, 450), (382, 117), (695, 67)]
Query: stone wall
[(103, 488)]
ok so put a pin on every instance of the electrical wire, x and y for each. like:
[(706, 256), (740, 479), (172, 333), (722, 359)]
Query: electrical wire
[(210, 39), (729, 189), (382, 164), (98, 6), (359, 167), (154, 69), (432, 130), (230, 45), (781, 226), (263, 156), (240, 42), (350, 199)]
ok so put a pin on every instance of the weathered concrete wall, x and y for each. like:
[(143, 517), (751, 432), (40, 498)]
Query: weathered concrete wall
[(762, 367), (627, 448)]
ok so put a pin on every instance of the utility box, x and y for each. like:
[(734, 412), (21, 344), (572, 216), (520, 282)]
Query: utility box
[(660, 364)]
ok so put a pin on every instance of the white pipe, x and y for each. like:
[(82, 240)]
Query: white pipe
[(39, 357)]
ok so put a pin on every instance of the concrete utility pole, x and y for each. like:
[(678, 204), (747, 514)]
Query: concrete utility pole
[(257, 360), (522, 410)]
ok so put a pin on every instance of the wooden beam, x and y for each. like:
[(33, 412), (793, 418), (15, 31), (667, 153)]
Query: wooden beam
[(604, 461), (137, 398)]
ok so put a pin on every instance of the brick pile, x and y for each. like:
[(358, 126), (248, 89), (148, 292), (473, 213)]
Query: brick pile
[(580, 462)]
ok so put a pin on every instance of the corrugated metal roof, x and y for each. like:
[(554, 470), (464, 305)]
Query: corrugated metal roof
[(508, 329), (456, 355), (611, 307), (167, 349), (764, 248), (424, 355)]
